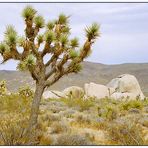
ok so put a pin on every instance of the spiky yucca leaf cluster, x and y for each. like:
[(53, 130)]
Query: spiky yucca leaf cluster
[(10, 35), (28, 12), (63, 19), (92, 32), (4, 47), (50, 25), (49, 36), (40, 38), (39, 21), (29, 62), (64, 39), (65, 30), (74, 43), (21, 41), (73, 54)]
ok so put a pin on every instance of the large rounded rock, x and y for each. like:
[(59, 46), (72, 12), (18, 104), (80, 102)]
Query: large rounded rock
[(126, 85), (53, 95), (96, 90), (74, 92)]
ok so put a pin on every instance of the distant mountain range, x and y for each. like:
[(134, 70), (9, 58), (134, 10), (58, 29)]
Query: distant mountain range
[(92, 72)]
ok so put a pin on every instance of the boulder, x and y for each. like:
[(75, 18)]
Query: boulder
[(118, 95), (74, 92), (126, 85), (97, 90), (53, 95)]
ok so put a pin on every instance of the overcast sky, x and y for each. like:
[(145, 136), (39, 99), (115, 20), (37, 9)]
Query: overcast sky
[(124, 28)]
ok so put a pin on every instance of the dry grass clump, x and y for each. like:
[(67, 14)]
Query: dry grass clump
[(12, 131), (46, 139), (69, 113), (82, 118), (82, 104), (72, 140), (125, 132), (59, 127), (110, 112), (16, 102)]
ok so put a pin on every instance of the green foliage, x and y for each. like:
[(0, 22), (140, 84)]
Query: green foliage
[(28, 12), (132, 104), (93, 31), (29, 62), (49, 36), (63, 19), (73, 54), (74, 43), (109, 112), (64, 39), (65, 30), (2, 47), (50, 25), (22, 66), (40, 38), (21, 41), (39, 21), (15, 103), (25, 92), (78, 102), (10, 35)]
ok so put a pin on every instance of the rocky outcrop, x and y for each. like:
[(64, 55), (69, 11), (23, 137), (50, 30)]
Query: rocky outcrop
[(126, 86), (97, 90), (53, 95), (74, 92)]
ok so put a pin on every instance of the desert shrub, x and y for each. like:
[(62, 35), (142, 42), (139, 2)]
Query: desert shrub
[(82, 118), (131, 104), (69, 113), (109, 112), (12, 131), (125, 132), (15, 103), (3, 89), (25, 92), (59, 127), (145, 102), (72, 140), (81, 103)]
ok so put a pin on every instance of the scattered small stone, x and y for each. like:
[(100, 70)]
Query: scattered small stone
[(134, 111)]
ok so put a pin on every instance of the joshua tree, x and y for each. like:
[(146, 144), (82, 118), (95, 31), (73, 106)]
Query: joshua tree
[(65, 56)]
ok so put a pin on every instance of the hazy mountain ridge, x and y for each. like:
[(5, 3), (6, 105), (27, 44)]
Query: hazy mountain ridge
[(92, 72)]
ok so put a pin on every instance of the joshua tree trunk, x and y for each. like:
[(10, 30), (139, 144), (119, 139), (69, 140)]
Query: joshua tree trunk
[(35, 105)]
